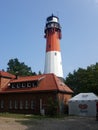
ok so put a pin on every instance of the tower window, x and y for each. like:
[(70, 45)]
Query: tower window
[(61, 63), (49, 46), (55, 53)]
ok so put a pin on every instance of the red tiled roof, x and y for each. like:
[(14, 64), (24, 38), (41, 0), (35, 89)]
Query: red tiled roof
[(62, 86), (6, 74), (47, 82), (26, 78)]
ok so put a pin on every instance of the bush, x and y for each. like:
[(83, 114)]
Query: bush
[(52, 107)]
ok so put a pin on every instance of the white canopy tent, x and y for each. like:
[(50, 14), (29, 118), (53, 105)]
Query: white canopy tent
[(83, 104)]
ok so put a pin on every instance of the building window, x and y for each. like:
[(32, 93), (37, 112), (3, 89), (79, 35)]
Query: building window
[(21, 104), (2, 104), (32, 104), (23, 85), (10, 104), (14, 85), (26, 104), (18, 85), (29, 84), (35, 83), (32, 84), (16, 105)]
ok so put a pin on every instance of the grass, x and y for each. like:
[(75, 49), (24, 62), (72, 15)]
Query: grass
[(18, 116), (29, 116)]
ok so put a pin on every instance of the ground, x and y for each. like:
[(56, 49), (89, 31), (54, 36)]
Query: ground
[(66, 123)]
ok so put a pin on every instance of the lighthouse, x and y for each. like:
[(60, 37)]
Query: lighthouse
[(53, 60)]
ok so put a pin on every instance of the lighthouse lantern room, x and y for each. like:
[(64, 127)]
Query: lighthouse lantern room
[(53, 61)]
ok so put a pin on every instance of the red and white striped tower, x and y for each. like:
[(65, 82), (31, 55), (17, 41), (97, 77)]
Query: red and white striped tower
[(53, 61)]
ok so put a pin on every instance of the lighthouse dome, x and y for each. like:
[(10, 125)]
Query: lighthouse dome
[(52, 22), (52, 19)]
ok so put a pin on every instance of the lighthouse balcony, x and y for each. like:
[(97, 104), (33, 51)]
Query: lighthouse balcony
[(52, 25)]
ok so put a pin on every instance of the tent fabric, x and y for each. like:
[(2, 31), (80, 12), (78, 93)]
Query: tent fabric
[(84, 97), (83, 104)]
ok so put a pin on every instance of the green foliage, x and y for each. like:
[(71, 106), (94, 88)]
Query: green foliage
[(52, 107), (19, 68), (84, 80), (39, 73)]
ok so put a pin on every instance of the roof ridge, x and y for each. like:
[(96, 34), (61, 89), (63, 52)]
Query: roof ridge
[(54, 76), (32, 76), (6, 74), (58, 82)]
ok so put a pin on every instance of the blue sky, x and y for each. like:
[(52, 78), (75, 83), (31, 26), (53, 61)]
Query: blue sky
[(22, 25)]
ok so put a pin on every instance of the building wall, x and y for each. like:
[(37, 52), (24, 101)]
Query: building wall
[(63, 102), (28, 103)]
